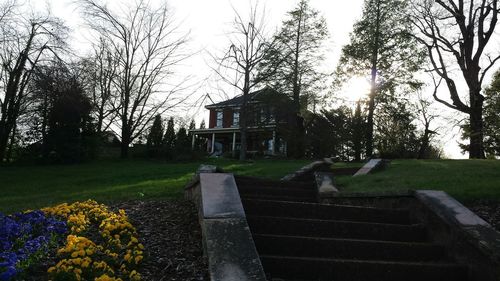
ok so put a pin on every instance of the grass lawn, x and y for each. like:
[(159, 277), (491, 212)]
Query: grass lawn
[(31, 187), (463, 179)]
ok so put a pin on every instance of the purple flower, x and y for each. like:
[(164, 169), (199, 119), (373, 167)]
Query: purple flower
[(21, 236), (8, 273)]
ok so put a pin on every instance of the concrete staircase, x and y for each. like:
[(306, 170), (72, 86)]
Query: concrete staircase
[(299, 239)]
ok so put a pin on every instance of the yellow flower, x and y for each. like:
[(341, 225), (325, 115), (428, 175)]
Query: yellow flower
[(127, 257), (134, 275), (114, 229), (138, 259)]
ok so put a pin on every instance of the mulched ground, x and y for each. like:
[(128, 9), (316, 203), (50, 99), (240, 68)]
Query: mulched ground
[(488, 210), (171, 234)]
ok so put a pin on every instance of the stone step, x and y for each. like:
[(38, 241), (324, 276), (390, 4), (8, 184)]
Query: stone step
[(287, 198), (251, 181), (300, 268), (336, 229), (324, 211), (276, 191), (300, 246)]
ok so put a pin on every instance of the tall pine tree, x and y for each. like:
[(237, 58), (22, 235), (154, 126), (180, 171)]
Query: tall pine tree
[(292, 64), (169, 139), (155, 136), (381, 46)]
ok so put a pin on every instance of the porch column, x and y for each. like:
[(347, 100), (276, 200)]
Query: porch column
[(192, 142), (273, 151), (234, 144), (212, 150)]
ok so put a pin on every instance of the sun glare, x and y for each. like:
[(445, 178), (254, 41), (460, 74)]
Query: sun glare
[(356, 88)]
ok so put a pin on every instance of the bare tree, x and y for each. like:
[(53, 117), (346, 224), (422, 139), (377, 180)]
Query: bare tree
[(6, 9), (238, 66), (456, 33), (426, 116), (148, 45), (100, 78), (23, 47)]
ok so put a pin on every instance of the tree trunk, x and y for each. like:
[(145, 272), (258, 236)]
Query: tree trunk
[(298, 134), (124, 150), (425, 144), (243, 116), (8, 157), (373, 88), (476, 148), (4, 137), (369, 123), (125, 141), (243, 132)]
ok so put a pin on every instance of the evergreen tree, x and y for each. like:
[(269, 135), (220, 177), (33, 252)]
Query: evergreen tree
[(293, 64), (491, 125), (396, 135), (492, 117), (169, 139), (155, 137), (192, 125), (182, 145), (197, 140), (62, 115), (202, 124), (382, 46)]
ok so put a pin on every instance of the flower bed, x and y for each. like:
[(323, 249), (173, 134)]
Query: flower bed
[(24, 237), (90, 242)]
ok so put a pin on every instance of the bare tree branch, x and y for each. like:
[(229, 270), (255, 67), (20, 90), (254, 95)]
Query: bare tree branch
[(148, 46)]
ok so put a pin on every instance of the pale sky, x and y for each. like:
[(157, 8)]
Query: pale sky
[(208, 21)]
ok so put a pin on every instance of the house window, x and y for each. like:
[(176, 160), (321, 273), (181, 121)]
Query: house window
[(272, 116), (219, 119), (236, 118), (263, 117)]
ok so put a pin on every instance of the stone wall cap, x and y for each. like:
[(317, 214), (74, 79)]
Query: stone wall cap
[(220, 196), (454, 213)]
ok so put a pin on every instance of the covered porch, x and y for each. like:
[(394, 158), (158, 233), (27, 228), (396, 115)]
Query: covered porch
[(259, 140)]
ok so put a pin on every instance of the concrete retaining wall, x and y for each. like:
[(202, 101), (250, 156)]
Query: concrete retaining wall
[(227, 240)]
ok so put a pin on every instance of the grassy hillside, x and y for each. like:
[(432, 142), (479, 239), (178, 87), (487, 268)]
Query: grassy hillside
[(37, 186), (463, 179)]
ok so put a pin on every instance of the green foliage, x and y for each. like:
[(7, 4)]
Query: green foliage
[(291, 66), (396, 135), (182, 145), (337, 133), (491, 116), (169, 139), (199, 147), (293, 62), (491, 120), (382, 38), (61, 118), (382, 47), (155, 137)]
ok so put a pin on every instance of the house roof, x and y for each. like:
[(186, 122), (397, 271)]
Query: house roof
[(238, 100)]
